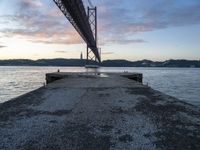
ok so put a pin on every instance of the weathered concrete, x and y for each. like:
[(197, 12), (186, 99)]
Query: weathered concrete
[(96, 112)]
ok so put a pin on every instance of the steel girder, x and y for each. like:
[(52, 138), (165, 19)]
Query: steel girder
[(75, 12)]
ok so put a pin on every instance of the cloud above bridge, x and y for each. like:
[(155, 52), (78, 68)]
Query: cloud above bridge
[(60, 51), (1, 46), (30, 4), (40, 22), (128, 18), (120, 22)]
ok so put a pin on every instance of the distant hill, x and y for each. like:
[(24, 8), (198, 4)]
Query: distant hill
[(106, 63), (149, 63), (44, 62)]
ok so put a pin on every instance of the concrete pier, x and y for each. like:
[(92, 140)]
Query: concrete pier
[(98, 112)]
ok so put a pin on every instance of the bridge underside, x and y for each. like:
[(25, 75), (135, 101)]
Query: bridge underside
[(76, 14)]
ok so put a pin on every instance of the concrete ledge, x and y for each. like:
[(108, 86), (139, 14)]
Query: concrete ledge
[(51, 77)]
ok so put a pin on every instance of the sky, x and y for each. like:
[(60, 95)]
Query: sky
[(127, 29)]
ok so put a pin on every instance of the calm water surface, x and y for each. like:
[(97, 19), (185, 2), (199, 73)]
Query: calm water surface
[(182, 83)]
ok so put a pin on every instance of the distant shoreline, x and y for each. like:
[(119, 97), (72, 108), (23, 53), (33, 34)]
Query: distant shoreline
[(100, 66), (181, 63)]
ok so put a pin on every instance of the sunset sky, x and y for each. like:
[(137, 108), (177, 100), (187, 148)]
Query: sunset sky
[(128, 29)]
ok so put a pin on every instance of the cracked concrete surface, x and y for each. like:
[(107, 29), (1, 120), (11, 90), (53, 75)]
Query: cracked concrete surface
[(98, 113)]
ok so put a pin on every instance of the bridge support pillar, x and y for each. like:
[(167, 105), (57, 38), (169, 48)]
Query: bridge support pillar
[(92, 19)]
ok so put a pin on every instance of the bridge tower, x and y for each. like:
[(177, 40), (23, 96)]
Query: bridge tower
[(92, 19)]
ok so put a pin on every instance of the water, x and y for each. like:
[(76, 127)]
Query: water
[(182, 83)]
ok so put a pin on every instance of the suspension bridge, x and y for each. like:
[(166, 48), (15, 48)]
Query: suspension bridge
[(85, 23)]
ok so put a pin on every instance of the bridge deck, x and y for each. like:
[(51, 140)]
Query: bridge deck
[(101, 112)]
